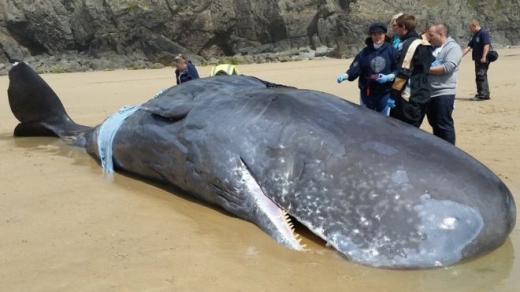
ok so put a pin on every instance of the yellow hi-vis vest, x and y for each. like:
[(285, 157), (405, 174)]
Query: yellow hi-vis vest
[(225, 68)]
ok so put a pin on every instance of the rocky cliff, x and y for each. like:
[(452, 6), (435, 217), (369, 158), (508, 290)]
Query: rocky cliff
[(77, 35)]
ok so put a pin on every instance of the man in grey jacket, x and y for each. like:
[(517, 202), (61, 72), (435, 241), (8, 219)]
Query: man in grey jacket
[(443, 82)]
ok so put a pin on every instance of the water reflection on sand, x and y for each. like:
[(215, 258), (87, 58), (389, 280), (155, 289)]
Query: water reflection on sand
[(230, 243)]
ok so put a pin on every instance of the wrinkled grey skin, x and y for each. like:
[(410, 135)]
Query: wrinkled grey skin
[(381, 192)]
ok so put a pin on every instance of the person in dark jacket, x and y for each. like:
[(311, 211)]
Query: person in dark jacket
[(185, 70), (411, 90), (481, 46), (375, 68)]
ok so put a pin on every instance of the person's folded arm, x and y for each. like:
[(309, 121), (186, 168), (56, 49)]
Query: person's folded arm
[(449, 65)]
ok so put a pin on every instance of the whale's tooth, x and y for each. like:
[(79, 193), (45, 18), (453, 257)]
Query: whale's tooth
[(299, 239), (288, 220)]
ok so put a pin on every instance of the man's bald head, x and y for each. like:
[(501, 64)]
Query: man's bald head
[(437, 34)]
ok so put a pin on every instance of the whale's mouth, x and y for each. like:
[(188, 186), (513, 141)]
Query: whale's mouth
[(278, 223), (267, 215), (292, 232)]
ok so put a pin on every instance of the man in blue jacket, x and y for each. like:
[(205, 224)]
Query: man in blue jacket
[(480, 44)]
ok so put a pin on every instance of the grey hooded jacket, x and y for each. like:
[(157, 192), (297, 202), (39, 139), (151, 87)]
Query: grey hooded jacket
[(449, 57)]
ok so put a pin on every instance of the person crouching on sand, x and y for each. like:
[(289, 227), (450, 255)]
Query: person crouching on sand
[(185, 70)]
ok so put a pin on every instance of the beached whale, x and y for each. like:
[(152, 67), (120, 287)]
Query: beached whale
[(381, 192)]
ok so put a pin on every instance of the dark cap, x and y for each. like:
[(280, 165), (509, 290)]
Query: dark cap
[(377, 27)]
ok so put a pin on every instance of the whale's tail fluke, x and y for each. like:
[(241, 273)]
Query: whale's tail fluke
[(37, 107)]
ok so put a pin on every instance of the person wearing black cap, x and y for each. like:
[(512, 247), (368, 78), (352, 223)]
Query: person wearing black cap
[(375, 68), (411, 90)]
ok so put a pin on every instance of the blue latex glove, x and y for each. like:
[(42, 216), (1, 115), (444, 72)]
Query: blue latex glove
[(385, 78), (342, 77), (435, 63), (390, 103)]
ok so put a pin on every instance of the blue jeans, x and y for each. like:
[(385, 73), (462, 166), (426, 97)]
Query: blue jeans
[(377, 103), (439, 114)]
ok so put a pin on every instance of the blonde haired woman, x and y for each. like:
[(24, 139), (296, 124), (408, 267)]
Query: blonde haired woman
[(396, 41), (185, 70)]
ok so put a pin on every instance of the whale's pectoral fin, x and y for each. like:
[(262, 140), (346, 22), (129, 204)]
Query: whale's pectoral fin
[(171, 108), (243, 197)]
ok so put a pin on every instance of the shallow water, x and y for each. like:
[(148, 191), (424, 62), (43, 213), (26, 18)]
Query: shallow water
[(118, 228)]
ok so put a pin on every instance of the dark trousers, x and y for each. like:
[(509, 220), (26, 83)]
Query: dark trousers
[(412, 110), (481, 78), (439, 114), (378, 103)]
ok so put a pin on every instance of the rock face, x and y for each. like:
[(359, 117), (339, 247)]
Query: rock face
[(147, 33)]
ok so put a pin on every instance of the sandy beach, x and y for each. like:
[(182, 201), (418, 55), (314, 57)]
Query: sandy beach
[(65, 226)]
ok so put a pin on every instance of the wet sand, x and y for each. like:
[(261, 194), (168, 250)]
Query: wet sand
[(65, 226)]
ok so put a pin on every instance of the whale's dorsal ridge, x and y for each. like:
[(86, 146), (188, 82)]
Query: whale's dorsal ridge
[(171, 108)]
